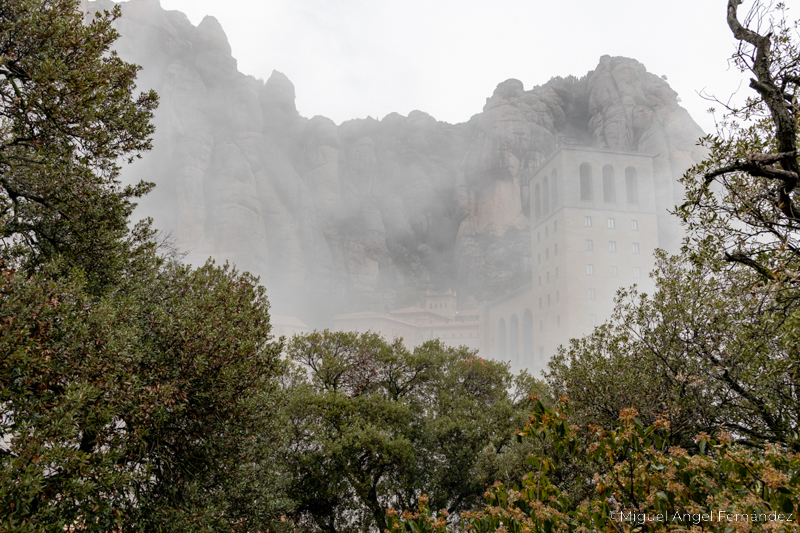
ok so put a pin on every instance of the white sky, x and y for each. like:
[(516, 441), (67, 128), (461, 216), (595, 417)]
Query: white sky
[(354, 58)]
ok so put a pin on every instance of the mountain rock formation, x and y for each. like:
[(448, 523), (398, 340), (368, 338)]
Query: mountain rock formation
[(368, 213)]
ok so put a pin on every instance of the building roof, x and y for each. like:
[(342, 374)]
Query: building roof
[(406, 317), (373, 315), (283, 320), (420, 310), (513, 294)]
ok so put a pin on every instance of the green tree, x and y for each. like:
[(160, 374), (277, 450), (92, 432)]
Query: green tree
[(139, 410), (135, 393), (67, 117), (373, 425), (644, 482), (698, 351), (716, 346), (742, 200)]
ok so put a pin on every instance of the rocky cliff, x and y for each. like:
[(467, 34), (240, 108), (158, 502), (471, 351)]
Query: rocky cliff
[(368, 213)]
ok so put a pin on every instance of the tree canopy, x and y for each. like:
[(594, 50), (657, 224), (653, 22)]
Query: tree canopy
[(373, 425), (135, 392), (68, 116)]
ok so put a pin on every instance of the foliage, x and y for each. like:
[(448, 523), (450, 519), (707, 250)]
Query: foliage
[(373, 425), (135, 393), (67, 116), (712, 352), (741, 203), (647, 483), (698, 352), (134, 410)]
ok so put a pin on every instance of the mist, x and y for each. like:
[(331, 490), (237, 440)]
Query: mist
[(405, 213)]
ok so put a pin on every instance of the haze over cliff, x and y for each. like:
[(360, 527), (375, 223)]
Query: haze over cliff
[(369, 213)]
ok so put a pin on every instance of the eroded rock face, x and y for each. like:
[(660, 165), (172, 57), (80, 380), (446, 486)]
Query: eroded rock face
[(368, 213)]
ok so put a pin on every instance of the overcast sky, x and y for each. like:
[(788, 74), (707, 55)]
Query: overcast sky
[(358, 58)]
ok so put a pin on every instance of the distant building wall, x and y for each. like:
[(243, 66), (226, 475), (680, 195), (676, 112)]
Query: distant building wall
[(594, 228), (438, 319), (287, 326)]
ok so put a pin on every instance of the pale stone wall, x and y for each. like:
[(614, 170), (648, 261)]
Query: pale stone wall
[(574, 283), (413, 331), (516, 345)]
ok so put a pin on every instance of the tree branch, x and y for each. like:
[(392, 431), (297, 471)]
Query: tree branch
[(741, 258)]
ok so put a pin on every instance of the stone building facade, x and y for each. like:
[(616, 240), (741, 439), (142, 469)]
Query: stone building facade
[(594, 228), (437, 317)]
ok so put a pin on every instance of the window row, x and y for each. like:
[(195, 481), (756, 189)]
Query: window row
[(611, 223), (547, 231), (613, 271), (609, 184), (547, 298), (612, 246), (546, 254), (547, 279)]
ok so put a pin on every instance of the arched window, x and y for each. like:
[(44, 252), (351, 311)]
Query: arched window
[(513, 338), (554, 187), (501, 339), (631, 185), (545, 196), (537, 203), (609, 186), (527, 336), (586, 182)]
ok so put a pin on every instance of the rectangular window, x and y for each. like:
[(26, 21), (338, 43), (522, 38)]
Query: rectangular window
[(547, 279), (635, 248), (590, 294), (589, 245), (587, 222), (556, 272), (634, 225), (547, 253), (546, 231), (548, 300), (540, 303), (637, 272), (555, 249), (558, 320), (614, 271), (540, 281), (541, 327), (555, 226), (558, 296), (590, 270), (611, 223), (538, 237), (538, 259), (612, 246), (541, 349)]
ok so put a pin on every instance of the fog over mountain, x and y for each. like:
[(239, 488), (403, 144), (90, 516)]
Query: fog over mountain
[(369, 213)]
